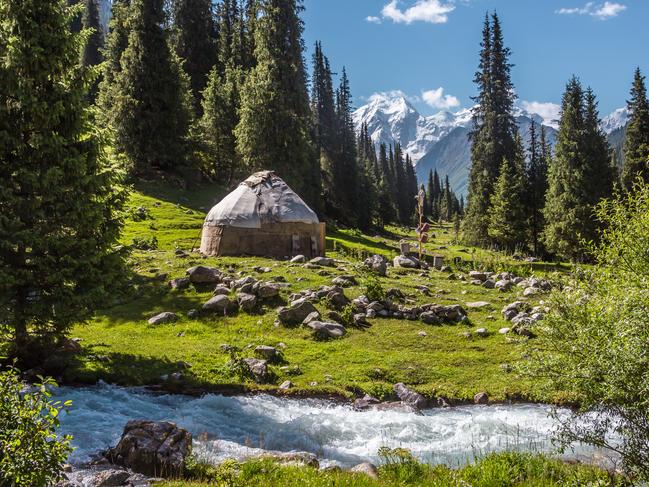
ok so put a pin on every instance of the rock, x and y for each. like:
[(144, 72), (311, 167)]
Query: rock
[(422, 334), (221, 290), (489, 284), (376, 306), (179, 284), (360, 320), (366, 469), (377, 264), (245, 284), (296, 313), (286, 385), (478, 305), (153, 448), (504, 331), (315, 316), (220, 304), (267, 290), (531, 291), (322, 261), (71, 345), (110, 478), (345, 281), (370, 313), (481, 398), (162, 318), (478, 276), (482, 332), (298, 259), (504, 285), (192, 314), (406, 262), (258, 368), (247, 302), (336, 298), (295, 459), (430, 318), (513, 309), (204, 275), (324, 330), (266, 352), (409, 396), (366, 402)]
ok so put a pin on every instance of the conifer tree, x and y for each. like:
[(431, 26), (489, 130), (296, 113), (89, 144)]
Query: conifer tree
[(59, 200), (537, 183), (636, 145), (275, 117), (75, 19), (578, 176), (385, 203), (92, 51), (494, 128), (508, 217), (152, 96), (194, 42)]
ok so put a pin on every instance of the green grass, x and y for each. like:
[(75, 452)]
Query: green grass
[(120, 347), (496, 470)]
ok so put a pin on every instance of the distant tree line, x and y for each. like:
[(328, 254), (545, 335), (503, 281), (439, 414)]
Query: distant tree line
[(528, 198)]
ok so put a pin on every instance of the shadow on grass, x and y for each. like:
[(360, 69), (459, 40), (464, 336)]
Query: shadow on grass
[(198, 198)]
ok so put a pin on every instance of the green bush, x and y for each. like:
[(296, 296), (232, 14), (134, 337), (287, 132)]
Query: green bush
[(31, 454), (373, 289), (145, 243), (594, 343)]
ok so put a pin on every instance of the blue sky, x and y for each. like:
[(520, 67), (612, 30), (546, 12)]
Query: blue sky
[(420, 46)]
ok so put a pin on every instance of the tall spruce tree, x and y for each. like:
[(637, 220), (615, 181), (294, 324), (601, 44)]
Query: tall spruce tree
[(91, 54), (636, 144), (537, 184), (578, 176), (385, 204), (58, 198), (508, 217), (195, 43), (152, 111), (494, 128), (275, 117)]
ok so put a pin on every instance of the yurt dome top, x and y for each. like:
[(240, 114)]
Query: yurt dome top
[(263, 198)]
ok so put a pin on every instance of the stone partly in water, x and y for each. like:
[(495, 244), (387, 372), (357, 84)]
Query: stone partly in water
[(409, 396), (157, 449)]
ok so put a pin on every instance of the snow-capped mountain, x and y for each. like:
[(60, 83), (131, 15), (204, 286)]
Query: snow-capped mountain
[(391, 118), (438, 142), (616, 120)]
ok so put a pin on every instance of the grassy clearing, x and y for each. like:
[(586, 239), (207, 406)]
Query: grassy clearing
[(502, 470), (120, 347)]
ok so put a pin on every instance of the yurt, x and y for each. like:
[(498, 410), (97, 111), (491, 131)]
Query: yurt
[(263, 217)]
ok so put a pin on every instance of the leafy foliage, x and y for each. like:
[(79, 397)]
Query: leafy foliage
[(31, 453)]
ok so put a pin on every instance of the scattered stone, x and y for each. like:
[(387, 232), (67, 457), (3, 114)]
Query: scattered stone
[(531, 291), (221, 290), (377, 264), (504, 285), (409, 396), (267, 353), (162, 318), (286, 385), (220, 304), (267, 290), (247, 302), (422, 334), (513, 309), (258, 368), (296, 313), (315, 316), (204, 275), (366, 402), (366, 469), (481, 398), (322, 261), (430, 318), (336, 298), (478, 276), (153, 448), (180, 283), (298, 259), (345, 281), (192, 314), (292, 459), (325, 330), (478, 305), (482, 332), (110, 478), (489, 284), (407, 262), (71, 345), (504, 331)]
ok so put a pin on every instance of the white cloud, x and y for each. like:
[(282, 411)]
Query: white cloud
[(373, 20), (382, 95), (549, 112), (431, 11), (601, 11), (437, 99)]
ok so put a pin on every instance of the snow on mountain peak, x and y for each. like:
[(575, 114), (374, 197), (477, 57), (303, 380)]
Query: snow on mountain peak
[(618, 119)]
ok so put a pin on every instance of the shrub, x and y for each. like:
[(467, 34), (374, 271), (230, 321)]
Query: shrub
[(594, 342), (373, 289), (31, 454), (144, 243)]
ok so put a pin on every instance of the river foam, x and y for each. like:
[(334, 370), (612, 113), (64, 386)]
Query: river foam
[(242, 426)]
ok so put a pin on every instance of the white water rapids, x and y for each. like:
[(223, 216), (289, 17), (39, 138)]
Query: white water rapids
[(238, 427)]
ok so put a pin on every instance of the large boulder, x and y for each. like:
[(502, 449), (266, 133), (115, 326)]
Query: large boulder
[(406, 261), (247, 302), (323, 261), (296, 313), (266, 290), (409, 396), (377, 264), (204, 275), (336, 298), (157, 449)]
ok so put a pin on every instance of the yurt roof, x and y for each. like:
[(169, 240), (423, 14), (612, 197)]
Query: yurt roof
[(262, 198)]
